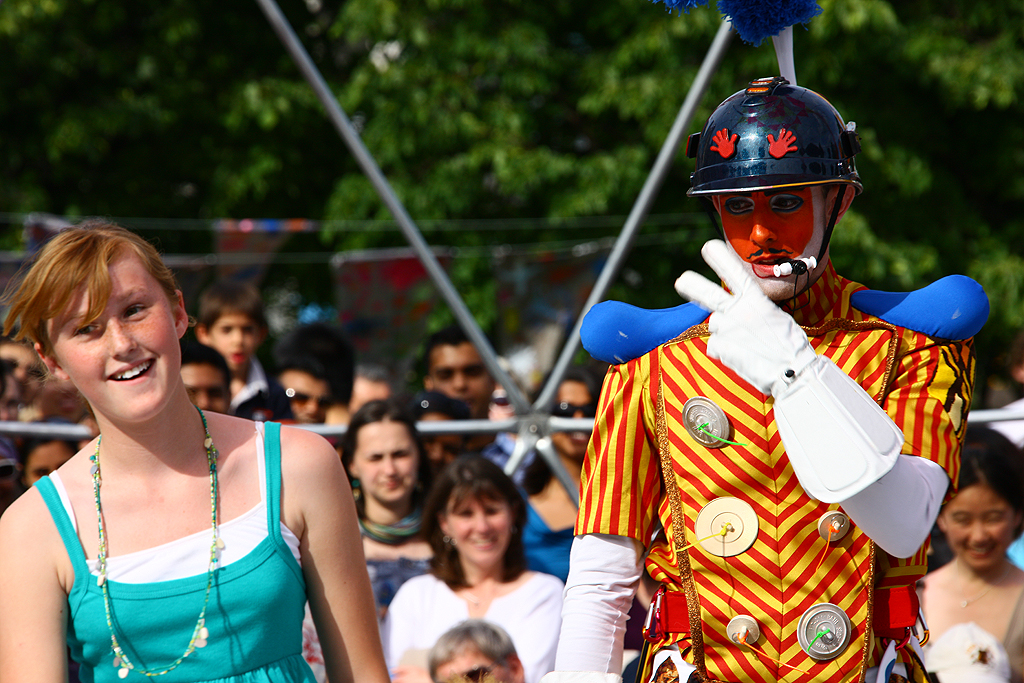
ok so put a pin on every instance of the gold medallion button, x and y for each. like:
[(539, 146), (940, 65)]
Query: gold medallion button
[(726, 527)]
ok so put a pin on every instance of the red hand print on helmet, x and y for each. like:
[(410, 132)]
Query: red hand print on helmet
[(785, 144), (723, 144)]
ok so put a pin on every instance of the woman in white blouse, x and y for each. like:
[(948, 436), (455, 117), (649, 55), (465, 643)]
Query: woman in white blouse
[(473, 519)]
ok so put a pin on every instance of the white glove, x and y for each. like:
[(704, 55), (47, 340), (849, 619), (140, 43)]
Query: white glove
[(749, 332)]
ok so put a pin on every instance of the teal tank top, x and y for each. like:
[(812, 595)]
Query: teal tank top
[(254, 617)]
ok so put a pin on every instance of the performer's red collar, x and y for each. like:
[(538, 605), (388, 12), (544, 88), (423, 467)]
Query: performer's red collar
[(819, 301)]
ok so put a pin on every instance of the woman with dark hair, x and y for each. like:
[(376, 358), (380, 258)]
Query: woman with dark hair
[(980, 523), (551, 513), (42, 455), (390, 476), (473, 520)]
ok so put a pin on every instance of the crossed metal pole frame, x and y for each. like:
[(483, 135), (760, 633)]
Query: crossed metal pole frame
[(533, 423)]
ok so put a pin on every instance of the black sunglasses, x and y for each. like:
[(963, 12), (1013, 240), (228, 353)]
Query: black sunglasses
[(565, 409), (8, 468), (475, 675), (322, 401)]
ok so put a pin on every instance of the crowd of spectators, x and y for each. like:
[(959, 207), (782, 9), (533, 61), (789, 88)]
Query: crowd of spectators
[(467, 564)]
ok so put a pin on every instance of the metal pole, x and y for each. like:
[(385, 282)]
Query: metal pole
[(351, 138), (640, 208)]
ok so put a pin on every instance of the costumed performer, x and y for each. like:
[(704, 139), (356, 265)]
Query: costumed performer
[(777, 466), (177, 545)]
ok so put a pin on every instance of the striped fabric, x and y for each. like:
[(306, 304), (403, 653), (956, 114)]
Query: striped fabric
[(924, 385)]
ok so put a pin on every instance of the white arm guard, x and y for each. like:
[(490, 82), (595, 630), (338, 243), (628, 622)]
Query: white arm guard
[(837, 438), (845, 449), (604, 572), (897, 511)]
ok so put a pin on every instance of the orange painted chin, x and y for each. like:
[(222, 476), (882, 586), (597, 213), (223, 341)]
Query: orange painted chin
[(765, 235)]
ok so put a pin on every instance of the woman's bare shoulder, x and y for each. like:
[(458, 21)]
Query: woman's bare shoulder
[(305, 452), (28, 531), (313, 479), (938, 579)]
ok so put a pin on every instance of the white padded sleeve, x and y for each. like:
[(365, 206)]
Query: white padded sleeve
[(838, 439), (897, 511), (604, 572)]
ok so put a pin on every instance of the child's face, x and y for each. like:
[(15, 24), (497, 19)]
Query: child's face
[(236, 336)]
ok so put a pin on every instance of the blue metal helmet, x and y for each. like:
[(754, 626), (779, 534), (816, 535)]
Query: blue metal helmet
[(771, 135)]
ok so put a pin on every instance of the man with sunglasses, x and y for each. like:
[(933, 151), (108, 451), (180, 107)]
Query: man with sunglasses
[(775, 452), (475, 651), (306, 386)]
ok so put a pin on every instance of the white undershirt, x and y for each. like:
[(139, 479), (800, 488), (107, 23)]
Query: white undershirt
[(190, 555)]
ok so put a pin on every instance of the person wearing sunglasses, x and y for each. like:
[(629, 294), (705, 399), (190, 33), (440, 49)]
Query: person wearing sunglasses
[(475, 651), (305, 384), (316, 364), (550, 512)]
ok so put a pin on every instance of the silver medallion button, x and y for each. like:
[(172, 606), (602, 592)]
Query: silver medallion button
[(706, 422), (824, 631)]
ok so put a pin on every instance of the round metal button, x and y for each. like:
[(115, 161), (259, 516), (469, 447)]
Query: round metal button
[(726, 527), (833, 525), (824, 631), (706, 422), (743, 630)]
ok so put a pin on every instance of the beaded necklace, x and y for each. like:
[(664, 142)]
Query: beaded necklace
[(200, 634), (393, 534)]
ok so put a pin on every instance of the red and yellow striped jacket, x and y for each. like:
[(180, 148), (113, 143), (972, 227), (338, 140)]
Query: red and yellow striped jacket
[(646, 478)]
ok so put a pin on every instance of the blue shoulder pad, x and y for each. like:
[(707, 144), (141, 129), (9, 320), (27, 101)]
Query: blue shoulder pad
[(616, 333), (954, 307)]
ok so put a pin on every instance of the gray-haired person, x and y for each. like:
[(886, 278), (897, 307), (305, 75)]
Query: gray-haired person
[(475, 650)]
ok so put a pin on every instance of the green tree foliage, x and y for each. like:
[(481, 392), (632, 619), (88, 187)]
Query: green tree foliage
[(510, 110)]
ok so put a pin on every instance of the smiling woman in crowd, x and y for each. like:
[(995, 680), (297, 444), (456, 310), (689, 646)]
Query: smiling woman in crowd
[(473, 520)]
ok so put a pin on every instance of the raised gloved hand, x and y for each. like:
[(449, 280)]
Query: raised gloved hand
[(839, 441), (749, 333)]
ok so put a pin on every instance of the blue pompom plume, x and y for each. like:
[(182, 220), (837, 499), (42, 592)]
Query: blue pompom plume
[(682, 5), (756, 20)]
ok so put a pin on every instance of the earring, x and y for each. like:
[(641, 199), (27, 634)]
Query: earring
[(448, 540), (357, 493)]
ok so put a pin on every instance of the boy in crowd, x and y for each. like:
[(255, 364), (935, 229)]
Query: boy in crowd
[(232, 321), (206, 376)]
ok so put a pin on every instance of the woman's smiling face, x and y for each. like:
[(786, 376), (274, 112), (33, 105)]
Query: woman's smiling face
[(126, 361), (980, 525), (481, 530)]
